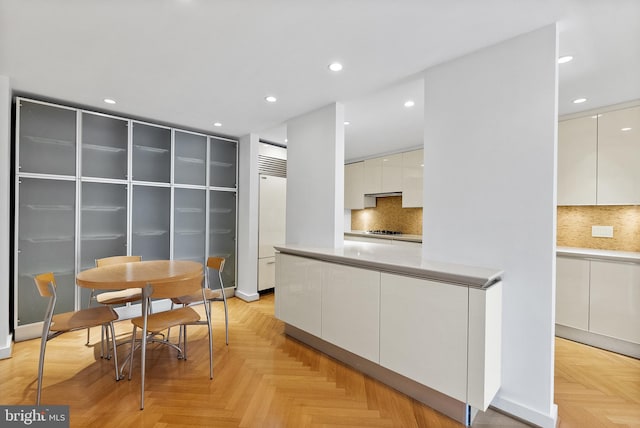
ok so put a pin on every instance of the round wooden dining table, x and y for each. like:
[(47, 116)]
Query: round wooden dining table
[(137, 274)]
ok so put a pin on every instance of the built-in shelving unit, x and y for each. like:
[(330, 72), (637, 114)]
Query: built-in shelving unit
[(91, 185)]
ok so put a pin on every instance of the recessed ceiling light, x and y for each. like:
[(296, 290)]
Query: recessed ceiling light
[(335, 66), (625, 129), (109, 101), (409, 103), (347, 122), (271, 99), (565, 59), (286, 140), (218, 124), (579, 100)]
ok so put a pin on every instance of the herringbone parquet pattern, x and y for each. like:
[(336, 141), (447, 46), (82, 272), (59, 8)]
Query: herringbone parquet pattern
[(265, 379)]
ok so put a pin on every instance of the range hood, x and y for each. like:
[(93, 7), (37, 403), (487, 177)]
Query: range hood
[(382, 195)]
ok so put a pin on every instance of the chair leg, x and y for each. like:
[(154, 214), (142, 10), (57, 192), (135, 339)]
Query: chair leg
[(43, 347), (115, 351), (226, 320), (208, 314), (133, 348)]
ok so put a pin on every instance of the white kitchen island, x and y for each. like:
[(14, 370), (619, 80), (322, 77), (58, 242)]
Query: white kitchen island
[(431, 330)]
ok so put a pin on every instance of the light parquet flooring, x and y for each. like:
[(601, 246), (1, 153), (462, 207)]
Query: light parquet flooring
[(265, 379)]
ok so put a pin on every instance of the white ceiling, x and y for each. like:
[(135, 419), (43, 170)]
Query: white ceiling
[(195, 62)]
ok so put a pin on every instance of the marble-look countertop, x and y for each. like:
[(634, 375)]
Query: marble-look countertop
[(591, 253), (398, 260), (401, 237)]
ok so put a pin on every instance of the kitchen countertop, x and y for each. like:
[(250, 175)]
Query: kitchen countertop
[(398, 260), (400, 237), (591, 253)]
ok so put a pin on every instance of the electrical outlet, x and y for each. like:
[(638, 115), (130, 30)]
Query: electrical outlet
[(602, 231)]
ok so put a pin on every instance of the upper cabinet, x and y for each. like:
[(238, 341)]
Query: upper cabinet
[(47, 139), (151, 153), (104, 146), (191, 154), (402, 172), (599, 159), (619, 157), (412, 174), (354, 185), (577, 154)]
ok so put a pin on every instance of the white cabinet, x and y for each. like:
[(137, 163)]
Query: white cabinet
[(412, 177), (266, 273), (392, 173), (615, 300), (572, 292), (354, 188), (299, 295), (619, 157), (577, 157), (383, 174), (344, 289), (418, 317), (372, 175)]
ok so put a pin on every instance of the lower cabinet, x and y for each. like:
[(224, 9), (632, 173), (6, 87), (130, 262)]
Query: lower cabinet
[(572, 292), (615, 300), (266, 273), (601, 297), (444, 336), (437, 312)]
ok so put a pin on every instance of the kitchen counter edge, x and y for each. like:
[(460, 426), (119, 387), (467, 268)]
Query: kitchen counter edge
[(400, 237), (591, 253), (405, 261)]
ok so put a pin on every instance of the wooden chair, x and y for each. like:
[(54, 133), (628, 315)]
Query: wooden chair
[(153, 324), (55, 325), (210, 295), (118, 297)]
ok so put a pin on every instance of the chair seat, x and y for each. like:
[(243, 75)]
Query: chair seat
[(82, 319), (197, 297), (120, 296), (160, 321)]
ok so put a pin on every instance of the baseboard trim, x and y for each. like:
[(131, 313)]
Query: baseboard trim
[(599, 341), (444, 404), (7, 348), (247, 297), (525, 413)]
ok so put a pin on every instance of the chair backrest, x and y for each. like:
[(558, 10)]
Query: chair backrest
[(42, 282), (216, 263), (114, 260), (175, 288)]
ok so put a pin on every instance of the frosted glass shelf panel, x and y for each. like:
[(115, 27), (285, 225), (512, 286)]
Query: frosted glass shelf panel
[(150, 232), (99, 148), (187, 210), (220, 231), (38, 207), (190, 232), (102, 208), (44, 140), (151, 149), (47, 138), (190, 160), (56, 273), (220, 210), (221, 164), (48, 239), (101, 237)]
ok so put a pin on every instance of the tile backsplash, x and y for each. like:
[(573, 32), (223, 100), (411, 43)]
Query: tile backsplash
[(388, 215), (575, 222)]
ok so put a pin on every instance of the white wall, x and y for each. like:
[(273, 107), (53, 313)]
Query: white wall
[(5, 236), (315, 178), (489, 196), (248, 194)]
